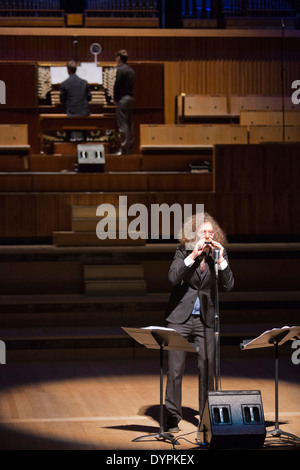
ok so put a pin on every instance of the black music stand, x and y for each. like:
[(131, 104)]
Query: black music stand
[(275, 337), (162, 339)]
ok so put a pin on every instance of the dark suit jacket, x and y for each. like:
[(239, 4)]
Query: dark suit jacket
[(189, 282), (75, 93), (124, 83)]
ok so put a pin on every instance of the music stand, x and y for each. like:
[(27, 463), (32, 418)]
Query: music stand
[(275, 337), (162, 339)]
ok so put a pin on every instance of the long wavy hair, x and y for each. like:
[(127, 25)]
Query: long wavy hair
[(193, 224)]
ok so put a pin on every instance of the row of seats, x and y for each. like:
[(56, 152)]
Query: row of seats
[(99, 14), (269, 118), (206, 135), (192, 106), (184, 138)]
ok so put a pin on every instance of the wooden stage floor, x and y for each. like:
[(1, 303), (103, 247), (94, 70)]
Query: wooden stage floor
[(105, 405)]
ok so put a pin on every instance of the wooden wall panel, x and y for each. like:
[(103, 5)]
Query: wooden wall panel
[(14, 183), (245, 214), (182, 136), (40, 277), (173, 161), (105, 182), (149, 81), (11, 163), (21, 85), (257, 169), (226, 77), (24, 116), (180, 182), (56, 44), (18, 217)]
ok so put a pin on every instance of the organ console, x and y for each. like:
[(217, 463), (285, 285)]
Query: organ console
[(31, 94), (53, 122), (102, 84)]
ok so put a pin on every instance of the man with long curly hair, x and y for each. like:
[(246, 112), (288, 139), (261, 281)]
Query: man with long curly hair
[(191, 307)]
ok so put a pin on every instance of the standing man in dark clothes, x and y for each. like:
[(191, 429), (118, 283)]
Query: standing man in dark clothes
[(191, 308), (123, 97), (76, 94)]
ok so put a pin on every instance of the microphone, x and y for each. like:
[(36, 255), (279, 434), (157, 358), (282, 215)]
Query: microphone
[(216, 256)]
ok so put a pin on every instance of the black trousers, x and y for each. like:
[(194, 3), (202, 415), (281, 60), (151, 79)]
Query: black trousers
[(124, 117), (196, 331)]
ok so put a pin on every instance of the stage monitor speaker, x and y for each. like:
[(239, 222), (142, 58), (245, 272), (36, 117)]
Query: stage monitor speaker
[(232, 419), (91, 158)]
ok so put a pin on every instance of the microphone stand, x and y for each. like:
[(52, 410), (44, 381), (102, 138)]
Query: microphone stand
[(216, 255), (282, 80)]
